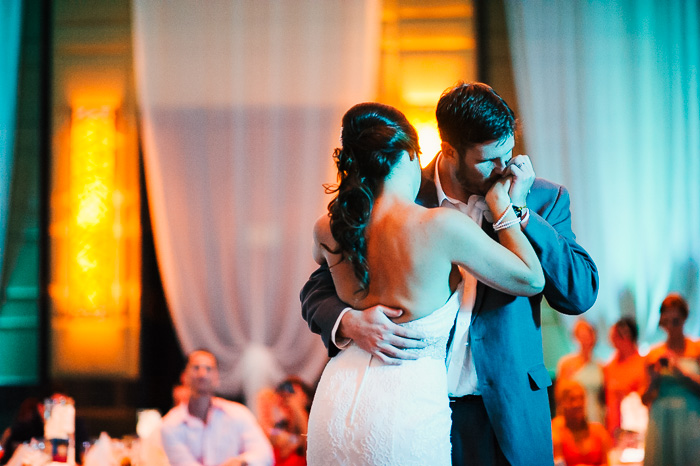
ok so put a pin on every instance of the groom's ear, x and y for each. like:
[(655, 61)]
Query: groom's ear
[(448, 151)]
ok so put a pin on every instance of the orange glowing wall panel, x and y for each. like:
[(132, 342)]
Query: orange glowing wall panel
[(95, 284), (93, 281)]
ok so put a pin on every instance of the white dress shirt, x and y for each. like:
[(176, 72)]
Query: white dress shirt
[(461, 373), (231, 431)]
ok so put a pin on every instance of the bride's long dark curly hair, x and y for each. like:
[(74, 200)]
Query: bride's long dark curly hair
[(373, 138)]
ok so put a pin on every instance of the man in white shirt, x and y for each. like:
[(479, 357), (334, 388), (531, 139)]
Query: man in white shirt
[(209, 431)]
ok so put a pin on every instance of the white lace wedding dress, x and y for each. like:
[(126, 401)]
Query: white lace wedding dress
[(368, 413)]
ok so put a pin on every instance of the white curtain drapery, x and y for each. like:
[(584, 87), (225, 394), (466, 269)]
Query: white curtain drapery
[(609, 98), (241, 104), (10, 35)]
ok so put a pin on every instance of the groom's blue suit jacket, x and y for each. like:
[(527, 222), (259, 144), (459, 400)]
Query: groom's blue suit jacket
[(505, 333)]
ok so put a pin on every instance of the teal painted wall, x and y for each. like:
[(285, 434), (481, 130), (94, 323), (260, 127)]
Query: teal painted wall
[(19, 308)]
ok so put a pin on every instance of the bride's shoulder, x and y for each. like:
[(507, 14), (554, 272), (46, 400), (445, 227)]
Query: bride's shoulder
[(324, 242), (442, 228), (322, 228), (322, 222), (445, 220)]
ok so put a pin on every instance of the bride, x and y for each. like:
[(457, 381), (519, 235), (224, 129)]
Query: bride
[(382, 248)]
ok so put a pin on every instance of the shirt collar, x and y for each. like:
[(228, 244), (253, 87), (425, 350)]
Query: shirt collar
[(441, 196), (191, 420)]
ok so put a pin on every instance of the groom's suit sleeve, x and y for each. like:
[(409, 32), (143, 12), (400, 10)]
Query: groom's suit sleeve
[(571, 276), (321, 307)]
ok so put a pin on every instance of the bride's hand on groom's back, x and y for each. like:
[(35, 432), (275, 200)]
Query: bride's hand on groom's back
[(373, 331)]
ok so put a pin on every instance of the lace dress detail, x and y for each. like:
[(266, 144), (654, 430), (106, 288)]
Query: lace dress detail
[(368, 413)]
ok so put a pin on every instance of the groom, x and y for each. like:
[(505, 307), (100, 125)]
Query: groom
[(496, 374)]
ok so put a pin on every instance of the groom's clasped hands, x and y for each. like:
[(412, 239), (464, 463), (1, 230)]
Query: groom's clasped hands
[(522, 175)]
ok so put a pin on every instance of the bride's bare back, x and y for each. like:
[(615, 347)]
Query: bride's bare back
[(406, 271)]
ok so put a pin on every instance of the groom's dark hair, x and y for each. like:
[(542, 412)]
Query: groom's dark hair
[(473, 113)]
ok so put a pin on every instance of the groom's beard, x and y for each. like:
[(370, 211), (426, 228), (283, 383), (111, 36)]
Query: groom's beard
[(472, 181)]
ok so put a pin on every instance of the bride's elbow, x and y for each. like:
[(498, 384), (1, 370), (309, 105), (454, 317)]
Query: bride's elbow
[(536, 284)]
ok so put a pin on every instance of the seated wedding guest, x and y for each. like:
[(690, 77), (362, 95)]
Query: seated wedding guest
[(673, 394), (625, 373), (284, 416), (577, 440), (208, 430), (27, 424), (582, 368)]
